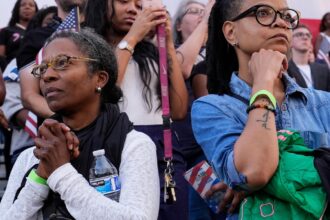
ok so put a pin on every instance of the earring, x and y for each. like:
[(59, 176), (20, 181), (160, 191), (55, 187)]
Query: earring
[(98, 89), (235, 44)]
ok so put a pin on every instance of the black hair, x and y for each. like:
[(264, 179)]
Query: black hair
[(220, 55), (95, 47), (323, 26), (96, 17), (38, 18), (15, 13)]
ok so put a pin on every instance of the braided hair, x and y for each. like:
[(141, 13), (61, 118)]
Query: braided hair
[(220, 55)]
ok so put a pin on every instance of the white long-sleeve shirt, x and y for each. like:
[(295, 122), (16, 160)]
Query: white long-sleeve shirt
[(139, 196)]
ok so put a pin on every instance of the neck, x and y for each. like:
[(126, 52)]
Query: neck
[(81, 118), (23, 23), (113, 38), (300, 57)]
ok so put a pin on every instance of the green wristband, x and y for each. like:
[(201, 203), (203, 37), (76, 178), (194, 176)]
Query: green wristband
[(33, 176), (264, 92)]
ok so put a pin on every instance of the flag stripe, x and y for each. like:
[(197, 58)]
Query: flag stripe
[(204, 180)]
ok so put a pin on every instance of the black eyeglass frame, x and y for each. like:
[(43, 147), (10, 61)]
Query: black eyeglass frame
[(50, 63), (255, 8)]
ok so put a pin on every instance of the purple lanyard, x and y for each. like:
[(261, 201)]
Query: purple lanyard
[(161, 37), (169, 185)]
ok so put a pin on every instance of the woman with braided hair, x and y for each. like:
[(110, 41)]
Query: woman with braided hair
[(251, 95)]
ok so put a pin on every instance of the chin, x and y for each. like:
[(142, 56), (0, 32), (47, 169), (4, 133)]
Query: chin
[(280, 48)]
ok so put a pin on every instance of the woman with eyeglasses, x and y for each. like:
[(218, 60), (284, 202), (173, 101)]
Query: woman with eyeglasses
[(251, 95), (78, 77)]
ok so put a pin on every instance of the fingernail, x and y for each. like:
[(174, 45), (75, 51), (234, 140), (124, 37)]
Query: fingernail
[(70, 146)]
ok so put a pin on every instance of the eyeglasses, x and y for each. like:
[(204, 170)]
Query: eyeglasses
[(266, 15), (60, 62), (302, 35), (194, 11)]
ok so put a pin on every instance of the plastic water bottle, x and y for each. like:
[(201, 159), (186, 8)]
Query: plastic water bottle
[(103, 176)]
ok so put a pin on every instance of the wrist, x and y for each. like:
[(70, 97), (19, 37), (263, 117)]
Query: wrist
[(131, 40), (262, 86), (34, 177), (263, 95)]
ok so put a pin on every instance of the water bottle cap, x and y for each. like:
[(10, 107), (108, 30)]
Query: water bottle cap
[(98, 152)]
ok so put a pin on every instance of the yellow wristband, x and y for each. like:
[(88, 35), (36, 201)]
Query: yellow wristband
[(33, 176), (264, 92)]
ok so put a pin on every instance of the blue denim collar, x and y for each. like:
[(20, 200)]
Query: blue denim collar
[(241, 88)]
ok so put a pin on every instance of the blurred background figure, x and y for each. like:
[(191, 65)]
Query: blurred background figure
[(306, 74), (190, 27), (11, 36), (322, 44), (43, 18), (190, 33)]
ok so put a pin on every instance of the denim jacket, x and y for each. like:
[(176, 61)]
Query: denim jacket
[(218, 121)]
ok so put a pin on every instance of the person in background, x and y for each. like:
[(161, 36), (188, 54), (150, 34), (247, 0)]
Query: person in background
[(313, 75), (251, 96), (30, 90), (190, 33), (322, 43), (126, 26), (43, 18), (78, 79), (12, 35)]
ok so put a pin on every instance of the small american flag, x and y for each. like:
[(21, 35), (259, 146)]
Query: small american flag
[(71, 21), (31, 125), (201, 177)]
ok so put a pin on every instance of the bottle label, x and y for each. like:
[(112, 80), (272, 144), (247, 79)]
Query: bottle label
[(107, 184)]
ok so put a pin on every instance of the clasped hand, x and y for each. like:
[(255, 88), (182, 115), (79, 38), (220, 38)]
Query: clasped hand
[(56, 145)]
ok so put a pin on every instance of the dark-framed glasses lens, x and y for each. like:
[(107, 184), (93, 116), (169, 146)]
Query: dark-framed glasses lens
[(291, 16), (265, 15)]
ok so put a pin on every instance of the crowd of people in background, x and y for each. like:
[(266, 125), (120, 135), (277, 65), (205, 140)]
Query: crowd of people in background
[(238, 73)]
